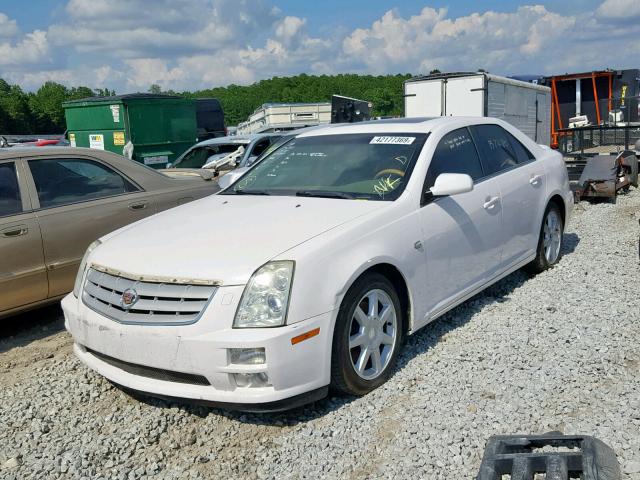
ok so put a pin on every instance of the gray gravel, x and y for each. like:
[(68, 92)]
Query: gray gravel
[(560, 351)]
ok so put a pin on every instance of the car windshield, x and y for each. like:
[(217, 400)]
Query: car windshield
[(361, 166), (198, 156)]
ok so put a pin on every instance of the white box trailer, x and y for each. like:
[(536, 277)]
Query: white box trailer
[(525, 105), (272, 117)]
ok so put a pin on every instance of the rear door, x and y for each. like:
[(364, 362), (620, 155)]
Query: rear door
[(465, 96), (463, 233), (79, 200), (23, 278), (423, 98), (522, 183)]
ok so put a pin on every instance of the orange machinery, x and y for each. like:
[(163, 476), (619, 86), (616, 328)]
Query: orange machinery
[(556, 119)]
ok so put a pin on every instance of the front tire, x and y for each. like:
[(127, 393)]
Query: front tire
[(367, 336), (550, 241)]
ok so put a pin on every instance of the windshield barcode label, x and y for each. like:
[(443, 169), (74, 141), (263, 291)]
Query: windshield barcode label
[(392, 140)]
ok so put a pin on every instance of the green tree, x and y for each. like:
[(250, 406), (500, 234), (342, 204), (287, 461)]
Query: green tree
[(46, 106), (13, 101), (104, 92), (42, 112), (76, 93), (239, 102)]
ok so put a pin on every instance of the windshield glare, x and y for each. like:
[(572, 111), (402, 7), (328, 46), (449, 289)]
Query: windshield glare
[(363, 166)]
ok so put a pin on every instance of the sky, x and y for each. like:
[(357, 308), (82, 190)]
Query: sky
[(128, 45)]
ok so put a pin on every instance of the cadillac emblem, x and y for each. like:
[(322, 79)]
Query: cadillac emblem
[(129, 298)]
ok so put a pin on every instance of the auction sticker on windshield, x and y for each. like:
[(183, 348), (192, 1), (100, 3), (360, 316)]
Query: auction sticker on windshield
[(392, 140)]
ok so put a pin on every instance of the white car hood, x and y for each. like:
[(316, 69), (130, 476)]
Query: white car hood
[(222, 238)]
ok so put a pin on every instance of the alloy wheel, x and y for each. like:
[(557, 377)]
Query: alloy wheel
[(373, 331), (552, 237)]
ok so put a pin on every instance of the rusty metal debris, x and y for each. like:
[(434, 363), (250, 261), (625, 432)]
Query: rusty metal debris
[(602, 175), (601, 159)]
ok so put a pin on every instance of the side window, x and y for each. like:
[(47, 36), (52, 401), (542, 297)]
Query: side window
[(454, 154), (10, 201), (260, 147), (523, 154), (495, 148), (65, 181)]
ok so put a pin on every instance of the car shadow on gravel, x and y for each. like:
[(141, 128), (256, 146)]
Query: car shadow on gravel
[(418, 344), (20, 330), (569, 243)]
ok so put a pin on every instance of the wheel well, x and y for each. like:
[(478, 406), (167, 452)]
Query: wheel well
[(559, 201), (398, 281)]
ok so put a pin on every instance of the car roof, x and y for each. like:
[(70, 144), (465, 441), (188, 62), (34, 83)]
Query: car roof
[(407, 125), (241, 139), (36, 152)]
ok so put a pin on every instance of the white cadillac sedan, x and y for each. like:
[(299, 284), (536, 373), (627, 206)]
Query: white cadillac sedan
[(307, 272)]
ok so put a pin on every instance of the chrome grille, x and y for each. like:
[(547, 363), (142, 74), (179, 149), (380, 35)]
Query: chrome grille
[(158, 303)]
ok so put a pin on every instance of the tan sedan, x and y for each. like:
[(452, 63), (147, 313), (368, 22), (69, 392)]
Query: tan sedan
[(55, 201)]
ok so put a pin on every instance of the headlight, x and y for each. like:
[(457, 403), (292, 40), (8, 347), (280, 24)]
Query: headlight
[(266, 297), (83, 266)]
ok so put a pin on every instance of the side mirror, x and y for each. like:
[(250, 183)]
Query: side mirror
[(451, 184), (229, 178)]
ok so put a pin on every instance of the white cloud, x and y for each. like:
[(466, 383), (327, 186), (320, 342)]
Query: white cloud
[(289, 28), (8, 27), (193, 44), (31, 49), (619, 9), (531, 39), (146, 71), (134, 29)]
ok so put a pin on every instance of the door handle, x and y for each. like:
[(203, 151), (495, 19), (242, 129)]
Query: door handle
[(490, 203), (535, 180), (138, 206), (15, 231)]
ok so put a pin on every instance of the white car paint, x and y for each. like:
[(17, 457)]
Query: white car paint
[(445, 251)]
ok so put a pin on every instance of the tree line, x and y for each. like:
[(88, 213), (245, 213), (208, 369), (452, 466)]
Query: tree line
[(41, 112)]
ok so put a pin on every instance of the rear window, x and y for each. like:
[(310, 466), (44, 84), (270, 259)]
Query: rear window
[(496, 152), (522, 153)]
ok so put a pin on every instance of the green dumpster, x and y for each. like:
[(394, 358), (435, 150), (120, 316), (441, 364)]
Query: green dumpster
[(151, 129)]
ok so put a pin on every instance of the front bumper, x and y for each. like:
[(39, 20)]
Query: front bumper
[(201, 350)]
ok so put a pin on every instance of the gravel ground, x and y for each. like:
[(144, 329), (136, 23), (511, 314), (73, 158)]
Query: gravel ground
[(560, 351)]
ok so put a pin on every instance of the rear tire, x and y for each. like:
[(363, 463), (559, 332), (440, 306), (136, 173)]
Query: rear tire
[(367, 337), (550, 241)]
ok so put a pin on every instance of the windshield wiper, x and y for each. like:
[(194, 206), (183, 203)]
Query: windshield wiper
[(323, 194), (240, 191)]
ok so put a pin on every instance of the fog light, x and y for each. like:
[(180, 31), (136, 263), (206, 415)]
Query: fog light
[(251, 380), (247, 356)]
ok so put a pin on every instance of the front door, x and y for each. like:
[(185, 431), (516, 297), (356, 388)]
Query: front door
[(23, 278), (80, 200), (462, 233)]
